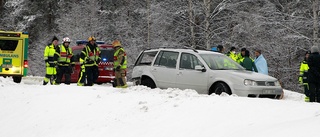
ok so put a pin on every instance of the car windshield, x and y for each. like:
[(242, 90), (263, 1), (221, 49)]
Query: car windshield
[(220, 62)]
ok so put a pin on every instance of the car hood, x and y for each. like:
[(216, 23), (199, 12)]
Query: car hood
[(246, 75)]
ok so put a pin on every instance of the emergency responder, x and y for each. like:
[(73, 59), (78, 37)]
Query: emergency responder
[(50, 58), (90, 59), (241, 55), (65, 62), (314, 75), (303, 77), (232, 54), (247, 62), (120, 65)]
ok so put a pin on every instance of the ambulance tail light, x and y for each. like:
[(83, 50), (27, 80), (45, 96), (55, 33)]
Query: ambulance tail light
[(25, 63)]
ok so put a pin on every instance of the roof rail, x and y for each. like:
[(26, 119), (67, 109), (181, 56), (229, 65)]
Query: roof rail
[(85, 42)]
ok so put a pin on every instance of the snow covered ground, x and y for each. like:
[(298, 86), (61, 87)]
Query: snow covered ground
[(30, 109)]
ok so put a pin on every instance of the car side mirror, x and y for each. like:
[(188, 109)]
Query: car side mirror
[(200, 68)]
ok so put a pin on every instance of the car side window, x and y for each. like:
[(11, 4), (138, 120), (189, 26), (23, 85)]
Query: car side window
[(167, 59), (189, 61)]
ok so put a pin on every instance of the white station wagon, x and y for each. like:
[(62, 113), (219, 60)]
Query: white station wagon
[(206, 72)]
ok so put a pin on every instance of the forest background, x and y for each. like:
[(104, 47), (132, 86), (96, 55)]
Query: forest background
[(283, 29)]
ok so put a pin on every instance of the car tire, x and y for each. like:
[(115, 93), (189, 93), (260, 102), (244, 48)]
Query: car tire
[(148, 82), (17, 79), (221, 87)]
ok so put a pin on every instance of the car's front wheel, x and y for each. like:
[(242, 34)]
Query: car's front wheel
[(221, 87), (148, 82)]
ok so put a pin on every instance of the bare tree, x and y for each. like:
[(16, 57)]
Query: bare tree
[(191, 24), (315, 22)]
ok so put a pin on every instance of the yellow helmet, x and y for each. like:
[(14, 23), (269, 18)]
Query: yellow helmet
[(91, 38), (116, 43)]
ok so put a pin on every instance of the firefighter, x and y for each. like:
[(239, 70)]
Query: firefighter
[(90, 60), (50, 58), (65, 62), (120, 65), (303, 80)]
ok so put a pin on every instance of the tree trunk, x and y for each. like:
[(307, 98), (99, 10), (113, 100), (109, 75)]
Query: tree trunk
[(315, 22), (207, 23), (191, 22), (148, 18)]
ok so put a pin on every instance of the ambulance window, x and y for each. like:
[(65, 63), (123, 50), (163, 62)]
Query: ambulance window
[(106, 55), (8, 44)]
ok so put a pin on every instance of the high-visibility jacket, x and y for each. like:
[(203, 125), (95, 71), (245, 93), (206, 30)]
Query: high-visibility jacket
[(50, 54), (233, 56), (304, 67), (65, 55), (120, 58), (90, 55)]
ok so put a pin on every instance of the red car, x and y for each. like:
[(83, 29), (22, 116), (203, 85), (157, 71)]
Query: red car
[(106, 73)]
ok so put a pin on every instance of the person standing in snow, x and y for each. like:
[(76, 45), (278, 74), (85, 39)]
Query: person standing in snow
[(50, 58), (303, 77), (314, 75), (65, 62), (261, 63), (248, 63), (120, 65), (90, 58)]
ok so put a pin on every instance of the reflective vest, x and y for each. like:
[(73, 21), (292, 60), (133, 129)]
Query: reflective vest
[(50, 54), (65, 55), (92, 58), (232, 55), (118, 58)]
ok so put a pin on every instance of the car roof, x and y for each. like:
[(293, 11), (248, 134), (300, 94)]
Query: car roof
[(188, 50)]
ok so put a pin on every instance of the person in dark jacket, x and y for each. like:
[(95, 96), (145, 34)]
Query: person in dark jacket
[(90, 58), (248, 63), (314, 75)]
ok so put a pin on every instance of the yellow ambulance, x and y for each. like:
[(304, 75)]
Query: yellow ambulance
[(14, 54)]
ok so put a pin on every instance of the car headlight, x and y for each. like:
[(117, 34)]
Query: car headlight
[(249, 82), (277, 83)]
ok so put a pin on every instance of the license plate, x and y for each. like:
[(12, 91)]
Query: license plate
[(269, 91), (6, 65)]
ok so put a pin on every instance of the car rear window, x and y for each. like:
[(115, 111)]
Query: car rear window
[(146, 58), (76, 54), (8, 45), (106, 55)]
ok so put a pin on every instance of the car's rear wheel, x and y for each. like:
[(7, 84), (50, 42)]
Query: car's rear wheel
[(148, 82), (221, 87)]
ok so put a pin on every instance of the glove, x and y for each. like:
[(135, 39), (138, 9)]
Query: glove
[(83, 69), (118, 68), (47, 64), (52, 65)]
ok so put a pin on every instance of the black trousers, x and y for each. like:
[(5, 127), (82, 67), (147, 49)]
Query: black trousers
[(314, 89), (66, 71), (92, 73)]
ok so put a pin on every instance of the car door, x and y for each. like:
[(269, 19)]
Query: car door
[(189, 78), (164, 69)]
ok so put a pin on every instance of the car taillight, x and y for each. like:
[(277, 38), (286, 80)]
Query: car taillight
[(25, 63)]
